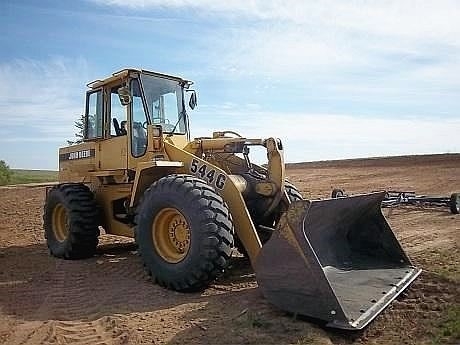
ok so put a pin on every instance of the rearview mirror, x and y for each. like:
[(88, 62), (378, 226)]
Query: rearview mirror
[(192, 101), (124, 95)]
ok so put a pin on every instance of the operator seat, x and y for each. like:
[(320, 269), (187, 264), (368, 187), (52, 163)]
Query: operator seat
[(139, 139), (116, 126)]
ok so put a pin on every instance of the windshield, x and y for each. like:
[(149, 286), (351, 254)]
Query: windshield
[(164, 103)]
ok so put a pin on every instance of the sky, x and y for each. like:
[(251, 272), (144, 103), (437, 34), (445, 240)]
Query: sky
[(333, 79)]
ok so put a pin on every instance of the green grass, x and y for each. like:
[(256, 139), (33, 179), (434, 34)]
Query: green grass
[(449, 327), (252, 319), (445, 262), (20, 176)]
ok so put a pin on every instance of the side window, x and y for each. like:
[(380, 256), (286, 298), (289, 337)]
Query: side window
[(138, 132), (94, 115), (117, 114)]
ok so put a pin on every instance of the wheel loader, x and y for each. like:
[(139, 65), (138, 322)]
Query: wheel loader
[(189, 203)]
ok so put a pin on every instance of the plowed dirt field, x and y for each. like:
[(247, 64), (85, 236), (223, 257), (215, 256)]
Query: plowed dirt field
[(108, 299)]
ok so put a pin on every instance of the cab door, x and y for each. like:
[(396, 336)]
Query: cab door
[(137, 127), (114, 150)]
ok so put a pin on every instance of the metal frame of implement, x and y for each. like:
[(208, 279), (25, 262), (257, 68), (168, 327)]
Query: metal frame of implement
[(396, 198)]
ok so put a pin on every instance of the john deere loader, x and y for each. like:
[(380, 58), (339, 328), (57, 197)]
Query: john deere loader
[(188, 203)]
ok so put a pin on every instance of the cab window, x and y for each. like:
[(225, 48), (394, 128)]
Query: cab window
[(94, 115), (138, 123), (164, 101), (117, 114)]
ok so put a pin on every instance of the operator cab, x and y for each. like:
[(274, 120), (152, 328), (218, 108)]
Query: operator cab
[(126, 103)]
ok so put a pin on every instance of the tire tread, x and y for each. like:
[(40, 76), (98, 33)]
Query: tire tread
[(215, 222), (83, 216)]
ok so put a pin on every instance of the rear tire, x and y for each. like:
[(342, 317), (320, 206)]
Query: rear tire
[(70, 221), (293, 195), (337, 193), (455, 203), (292, 192), (184, 232)]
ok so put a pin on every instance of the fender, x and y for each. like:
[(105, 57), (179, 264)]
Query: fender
[(229, 191), (149, 172)]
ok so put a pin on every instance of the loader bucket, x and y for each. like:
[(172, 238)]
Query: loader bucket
[(336, 260)]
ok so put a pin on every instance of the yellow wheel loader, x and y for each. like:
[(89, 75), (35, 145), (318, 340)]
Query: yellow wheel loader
[(188, 203)]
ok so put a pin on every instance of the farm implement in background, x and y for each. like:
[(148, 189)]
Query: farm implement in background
[(397, 198)]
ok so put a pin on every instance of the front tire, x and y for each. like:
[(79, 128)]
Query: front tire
[(184, 232), (294, 195), (70, 221)]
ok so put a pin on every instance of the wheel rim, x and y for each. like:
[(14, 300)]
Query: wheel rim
[(60, 223), (171, 235)]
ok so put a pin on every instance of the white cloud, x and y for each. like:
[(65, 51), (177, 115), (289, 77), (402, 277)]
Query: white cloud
[(323, 136), (40, 100), (366, 45), (411, 18), (370, 12)]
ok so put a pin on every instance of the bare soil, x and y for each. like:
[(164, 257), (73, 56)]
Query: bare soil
[(108, 299)]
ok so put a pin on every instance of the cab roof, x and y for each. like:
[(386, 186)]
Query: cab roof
[(126, 71)]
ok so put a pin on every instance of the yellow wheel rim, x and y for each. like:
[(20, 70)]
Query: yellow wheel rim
[(60, 223), (171, 235)]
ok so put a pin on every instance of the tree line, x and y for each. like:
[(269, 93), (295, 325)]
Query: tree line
[(5, 173)]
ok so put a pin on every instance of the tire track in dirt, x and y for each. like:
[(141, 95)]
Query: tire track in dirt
[(70, 296), (73, 309), (121, 273), (103, 331), (78, 303)]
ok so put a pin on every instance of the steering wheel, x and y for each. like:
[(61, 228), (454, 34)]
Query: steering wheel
[(167, 127)]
